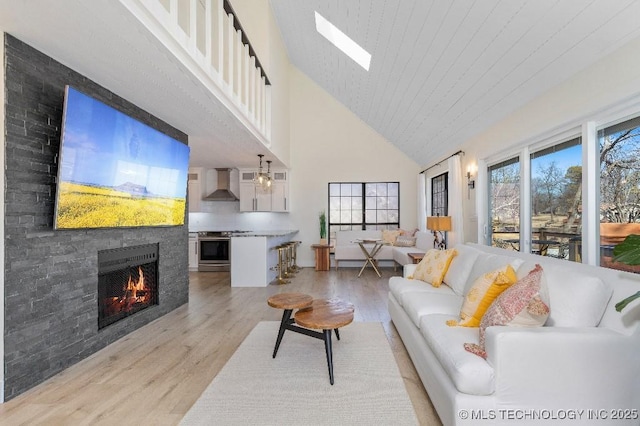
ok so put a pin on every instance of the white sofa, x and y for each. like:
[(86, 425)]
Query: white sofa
[(346, 249), (583, 364)]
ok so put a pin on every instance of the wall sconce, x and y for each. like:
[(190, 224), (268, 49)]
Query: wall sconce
[(471, 184)]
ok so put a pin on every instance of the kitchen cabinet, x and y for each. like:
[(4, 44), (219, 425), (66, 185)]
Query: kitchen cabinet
[(195, 187), (255, 199), (279, 197), (193, 251)]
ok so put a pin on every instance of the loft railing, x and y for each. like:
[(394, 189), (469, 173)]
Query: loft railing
[(209, 32)]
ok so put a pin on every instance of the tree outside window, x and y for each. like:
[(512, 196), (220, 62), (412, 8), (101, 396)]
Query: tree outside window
[(556, 197), (619, 188), (504, 203)]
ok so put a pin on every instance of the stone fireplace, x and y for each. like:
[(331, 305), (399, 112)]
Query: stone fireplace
[(50, 277), (127, 282)]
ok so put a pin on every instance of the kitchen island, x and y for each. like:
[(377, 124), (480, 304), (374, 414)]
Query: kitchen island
[(253, 260)]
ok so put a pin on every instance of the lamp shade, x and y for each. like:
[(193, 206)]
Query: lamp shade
[(439, 223)]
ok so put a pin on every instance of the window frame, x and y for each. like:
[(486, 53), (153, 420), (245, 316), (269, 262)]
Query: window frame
[(363, 224), (588, 130), (441, 180)]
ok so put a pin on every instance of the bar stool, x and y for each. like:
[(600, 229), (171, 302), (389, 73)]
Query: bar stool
[(290, 246), (294, 250), (281, 266)]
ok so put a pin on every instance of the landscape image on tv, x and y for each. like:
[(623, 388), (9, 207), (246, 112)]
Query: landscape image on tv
[(115, 171)]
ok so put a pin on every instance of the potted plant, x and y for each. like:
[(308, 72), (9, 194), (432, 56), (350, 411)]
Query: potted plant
[(323, 228), (628, 252)]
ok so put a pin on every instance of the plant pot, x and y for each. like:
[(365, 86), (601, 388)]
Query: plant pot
[(323, 241)]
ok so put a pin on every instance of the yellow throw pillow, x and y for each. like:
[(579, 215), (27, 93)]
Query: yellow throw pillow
[(484, 291), (389, 236), (433, 266)]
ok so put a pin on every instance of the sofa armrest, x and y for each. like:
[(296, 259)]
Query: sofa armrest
[(408, 269), (558, 367)]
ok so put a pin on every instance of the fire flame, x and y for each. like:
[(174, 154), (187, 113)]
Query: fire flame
[(134, 292)]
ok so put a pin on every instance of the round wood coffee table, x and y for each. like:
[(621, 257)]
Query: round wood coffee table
[(288, 302), (325, 315)]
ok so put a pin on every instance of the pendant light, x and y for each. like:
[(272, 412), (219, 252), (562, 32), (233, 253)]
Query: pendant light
[(261, 179)]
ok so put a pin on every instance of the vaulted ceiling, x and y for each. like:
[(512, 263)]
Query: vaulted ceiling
[(442, 71)]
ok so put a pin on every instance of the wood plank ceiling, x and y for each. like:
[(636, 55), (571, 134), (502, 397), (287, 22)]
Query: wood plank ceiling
[(442, 71)]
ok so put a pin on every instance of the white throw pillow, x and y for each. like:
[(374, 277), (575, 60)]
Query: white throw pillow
[(577, 299), (460, 268)]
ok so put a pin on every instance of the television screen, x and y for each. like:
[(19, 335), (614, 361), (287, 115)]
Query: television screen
[(114, 171)]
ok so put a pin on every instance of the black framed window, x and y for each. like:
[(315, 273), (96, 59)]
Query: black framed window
[(363, 205), (440, 195)]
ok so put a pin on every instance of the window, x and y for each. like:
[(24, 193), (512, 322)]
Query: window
[(504, 203), (555, 188), (619, 188), (440, 195), (556, 201), (364, 205)]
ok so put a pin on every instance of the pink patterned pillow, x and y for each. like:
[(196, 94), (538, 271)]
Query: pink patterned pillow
[(524, 304)]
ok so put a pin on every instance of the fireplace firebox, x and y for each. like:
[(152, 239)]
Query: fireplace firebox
[(127, 282)]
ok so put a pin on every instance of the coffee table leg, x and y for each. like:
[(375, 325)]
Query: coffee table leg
[(286, 316), (327, 349), (337, 334)]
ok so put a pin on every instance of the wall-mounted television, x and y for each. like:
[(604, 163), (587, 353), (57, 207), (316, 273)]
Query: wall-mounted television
[(115, 171)]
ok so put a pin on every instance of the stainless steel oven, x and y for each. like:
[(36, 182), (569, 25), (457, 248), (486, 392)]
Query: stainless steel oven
[(214, 251)]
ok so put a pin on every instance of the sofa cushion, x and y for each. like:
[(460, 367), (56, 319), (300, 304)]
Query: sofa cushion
[(485, 289), (389, 236), (405, 241), (347, 249), (470, 374), (419, 303), (458, 273), (401, 255), (524, 304), (398, 286), (433, 266), (409, 232), (576, 299)]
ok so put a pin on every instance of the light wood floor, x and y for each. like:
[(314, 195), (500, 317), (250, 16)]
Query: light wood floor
[(154, 375)]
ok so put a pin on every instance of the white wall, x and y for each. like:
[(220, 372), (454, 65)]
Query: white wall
[(330, 144), (607, 90)]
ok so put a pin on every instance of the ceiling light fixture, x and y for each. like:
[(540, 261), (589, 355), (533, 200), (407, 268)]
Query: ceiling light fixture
[(262, 179), (342, 42)]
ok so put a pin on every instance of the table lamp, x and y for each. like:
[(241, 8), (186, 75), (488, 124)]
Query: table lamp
[(439, 224)]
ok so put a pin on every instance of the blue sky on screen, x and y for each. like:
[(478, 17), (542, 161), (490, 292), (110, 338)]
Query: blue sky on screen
[(102, 146)]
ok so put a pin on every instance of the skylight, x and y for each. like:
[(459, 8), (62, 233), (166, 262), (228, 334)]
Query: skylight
[(343, 42)]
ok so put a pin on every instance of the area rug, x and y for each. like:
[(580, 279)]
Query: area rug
[(293, 389)]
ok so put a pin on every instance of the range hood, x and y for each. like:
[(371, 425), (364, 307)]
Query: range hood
[(223, 193)]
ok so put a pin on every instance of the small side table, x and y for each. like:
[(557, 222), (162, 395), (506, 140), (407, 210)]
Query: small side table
[(288, 302), (415, 257), (370, 255), (323, 262), (326, 315)]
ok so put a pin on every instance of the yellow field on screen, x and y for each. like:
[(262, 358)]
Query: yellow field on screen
[(84, 206)]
